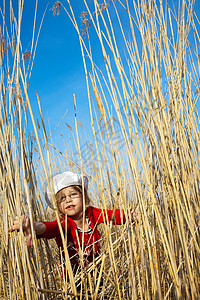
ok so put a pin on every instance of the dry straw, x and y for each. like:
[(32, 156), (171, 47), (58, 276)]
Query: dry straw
[(143, 154)]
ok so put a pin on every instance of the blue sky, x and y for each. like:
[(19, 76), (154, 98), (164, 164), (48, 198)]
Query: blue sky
[(58, 71)]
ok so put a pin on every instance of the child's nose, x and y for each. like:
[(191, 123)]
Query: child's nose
[(68, 197)]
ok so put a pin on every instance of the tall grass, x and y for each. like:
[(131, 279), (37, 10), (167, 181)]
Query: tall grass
[(144, 154)]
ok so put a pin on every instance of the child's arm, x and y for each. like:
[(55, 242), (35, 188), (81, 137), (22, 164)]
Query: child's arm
[(134, 215), (39, 228), (117, 216)]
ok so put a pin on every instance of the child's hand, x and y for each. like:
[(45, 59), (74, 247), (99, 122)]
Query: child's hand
[(26, 226), (134, 215)]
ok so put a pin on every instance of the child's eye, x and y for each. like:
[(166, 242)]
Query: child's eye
[(74, 195)]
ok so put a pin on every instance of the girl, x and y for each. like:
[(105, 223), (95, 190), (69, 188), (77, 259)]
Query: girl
[(82, 233)]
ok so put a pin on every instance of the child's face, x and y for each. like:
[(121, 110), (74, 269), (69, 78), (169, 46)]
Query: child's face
[(71, 202)]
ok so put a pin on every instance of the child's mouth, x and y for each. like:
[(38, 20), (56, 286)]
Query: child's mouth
[(70, 207)]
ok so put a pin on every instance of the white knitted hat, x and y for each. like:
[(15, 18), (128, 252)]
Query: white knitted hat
[(63, 180)]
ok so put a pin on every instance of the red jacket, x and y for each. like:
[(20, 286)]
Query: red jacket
[(91, 245)]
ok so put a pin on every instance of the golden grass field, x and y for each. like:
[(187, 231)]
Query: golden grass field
[(143, 105)]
